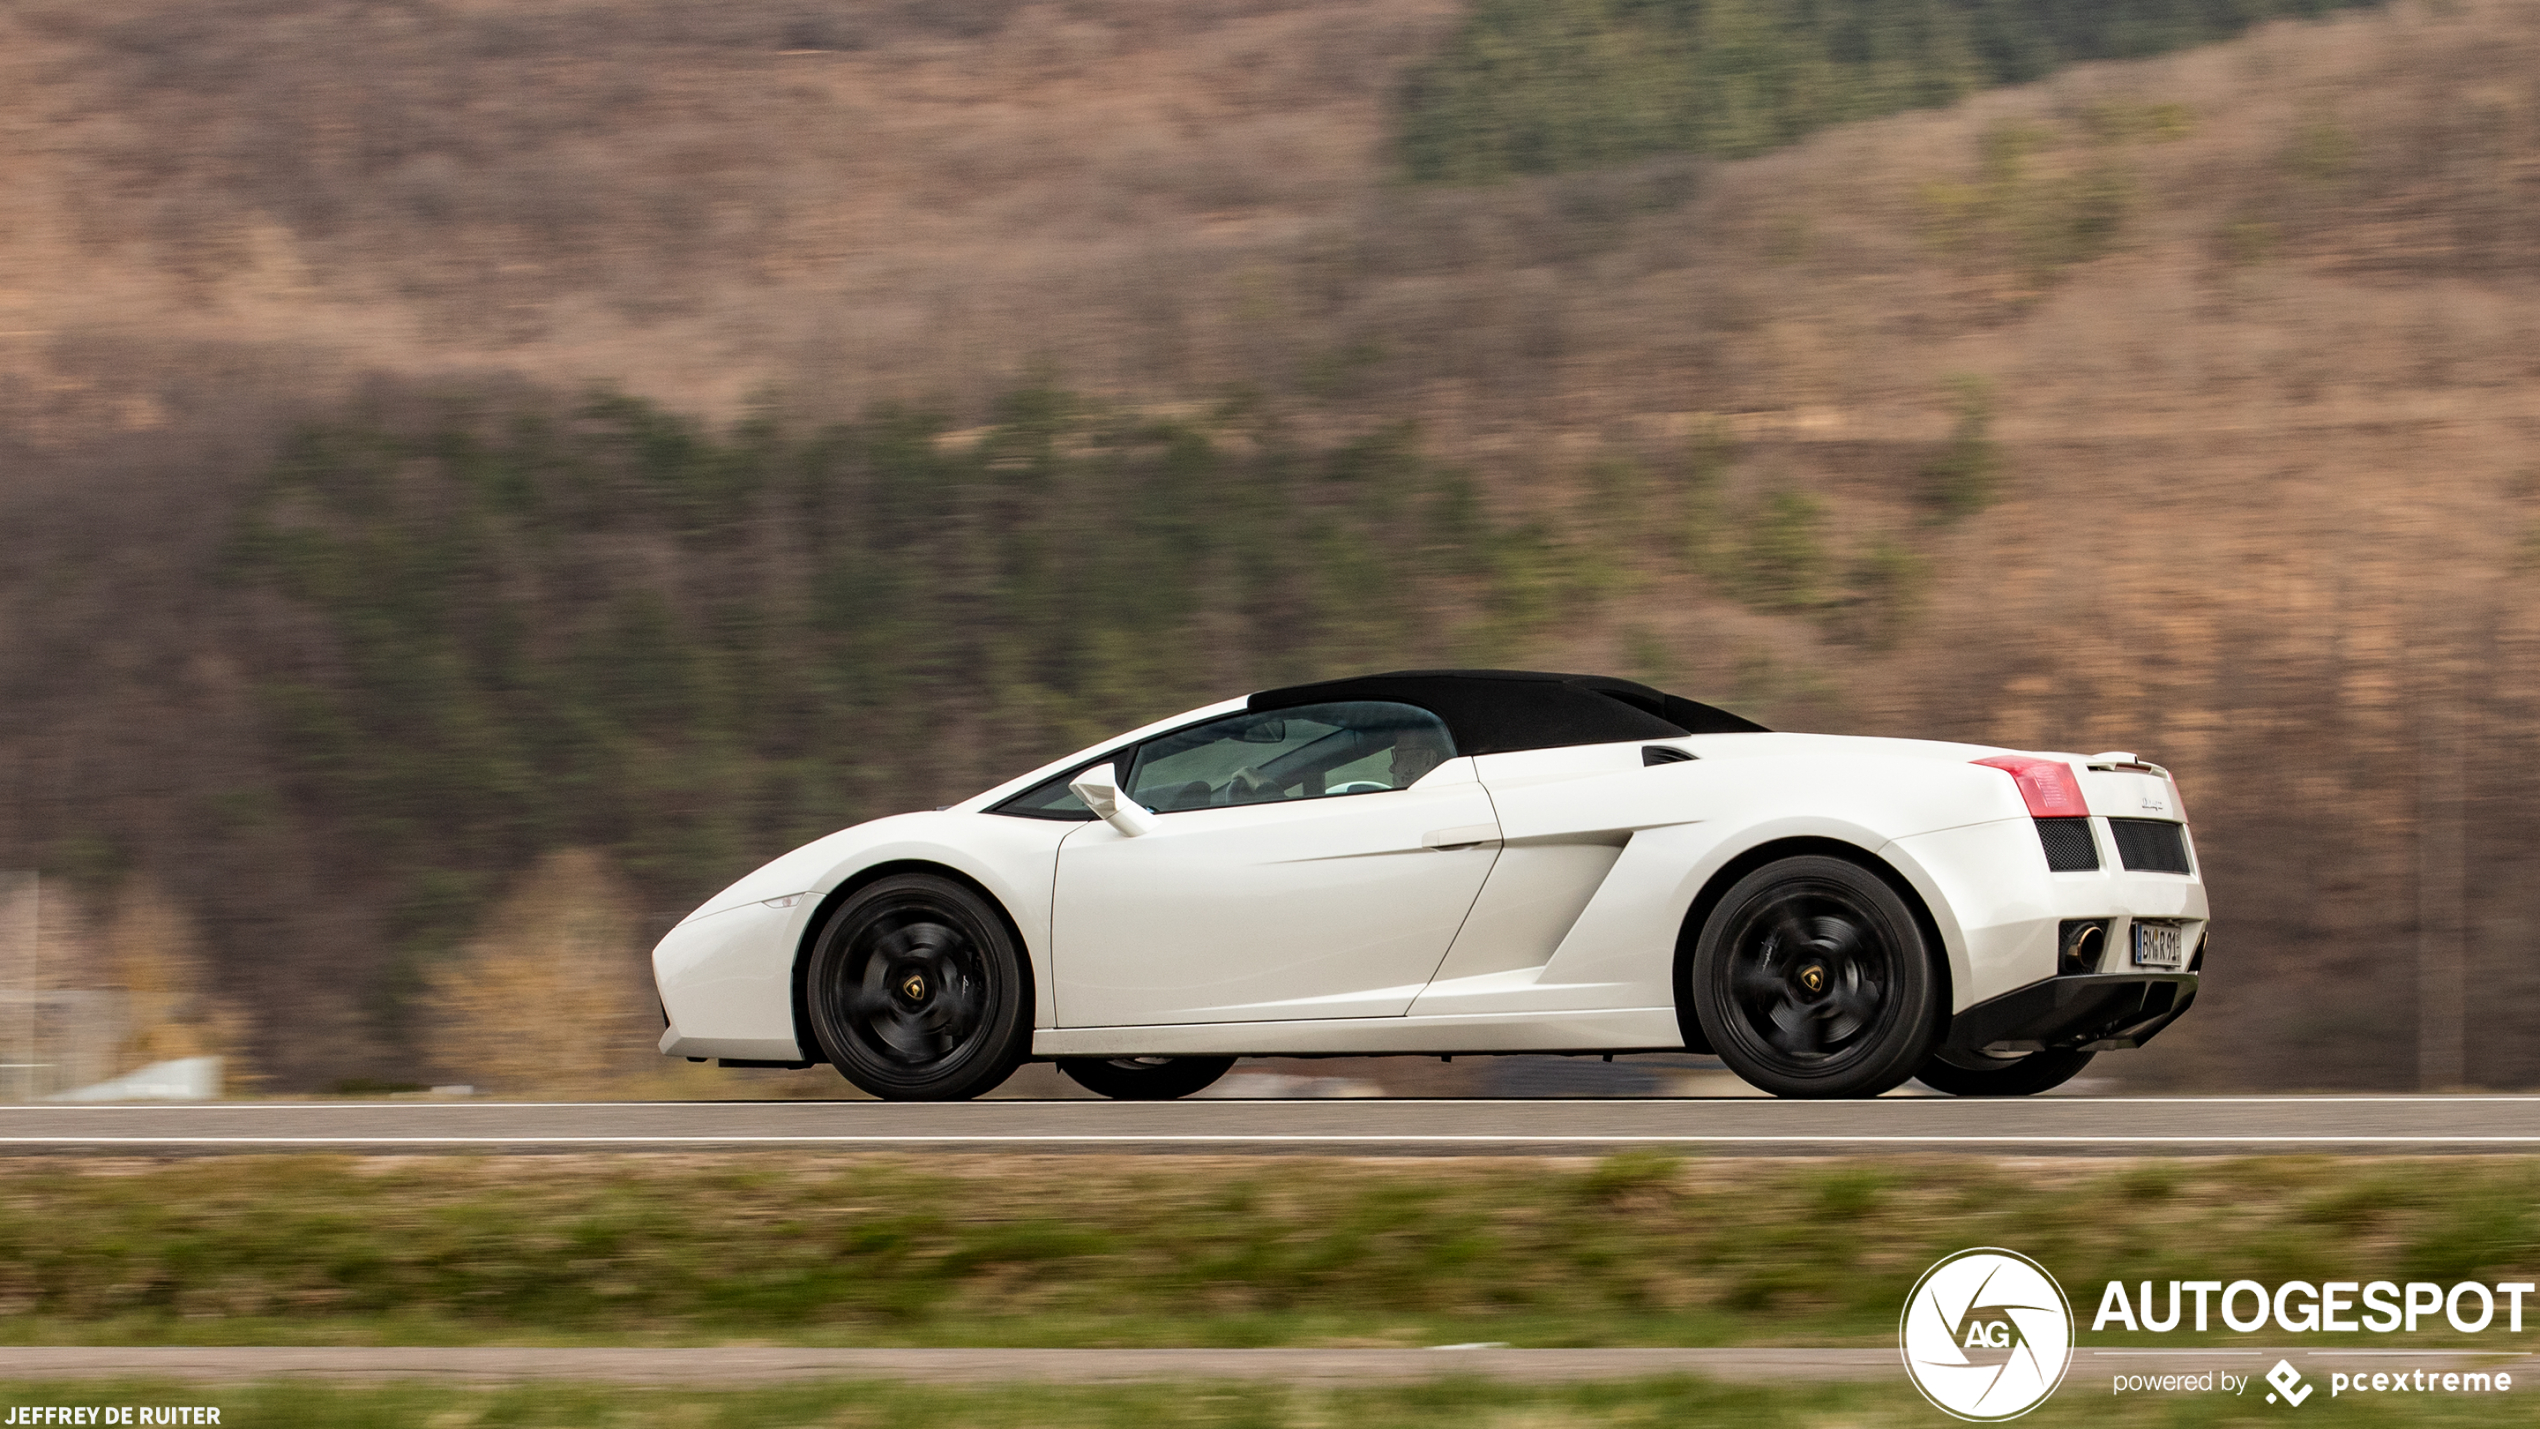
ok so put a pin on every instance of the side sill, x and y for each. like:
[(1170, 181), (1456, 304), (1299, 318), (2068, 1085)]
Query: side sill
[(1629, 1029), (766, 1051)]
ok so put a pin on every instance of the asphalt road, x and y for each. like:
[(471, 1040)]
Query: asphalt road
[(2389, 1125)]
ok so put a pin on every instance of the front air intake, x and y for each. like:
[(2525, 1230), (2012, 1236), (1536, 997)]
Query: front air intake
[(2150, 845), (2069, 846)]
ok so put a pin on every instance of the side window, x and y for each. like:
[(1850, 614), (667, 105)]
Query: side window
[(1311, 752), (1051, 799)]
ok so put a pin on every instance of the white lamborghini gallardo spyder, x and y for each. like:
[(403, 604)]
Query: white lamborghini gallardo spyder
[(1469, 861)]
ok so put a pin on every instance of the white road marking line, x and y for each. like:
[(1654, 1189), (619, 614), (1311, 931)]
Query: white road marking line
[(1242, 1138), (2489, 1354), (1166, 1108)]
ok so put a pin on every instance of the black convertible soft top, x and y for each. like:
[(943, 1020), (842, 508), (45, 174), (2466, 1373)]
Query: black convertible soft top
[(1497, 711)]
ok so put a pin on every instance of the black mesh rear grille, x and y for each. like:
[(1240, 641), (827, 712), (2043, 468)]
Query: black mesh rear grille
[(2150, 845), (2069, 846)]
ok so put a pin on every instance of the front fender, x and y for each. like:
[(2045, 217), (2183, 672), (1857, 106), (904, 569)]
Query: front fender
[(726, 972)]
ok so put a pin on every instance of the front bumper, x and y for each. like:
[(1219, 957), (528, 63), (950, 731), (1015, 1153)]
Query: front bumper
[(2086, 1012), (726, 983)]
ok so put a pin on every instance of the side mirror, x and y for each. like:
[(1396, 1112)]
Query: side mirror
[(1099, 787)]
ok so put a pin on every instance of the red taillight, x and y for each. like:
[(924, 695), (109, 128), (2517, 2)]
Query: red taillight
[(2049, 786)]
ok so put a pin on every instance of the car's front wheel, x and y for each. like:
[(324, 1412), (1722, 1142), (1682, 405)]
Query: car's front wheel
[(1144, 1079), (1977, 1075), (917, 991), (1812, 978)]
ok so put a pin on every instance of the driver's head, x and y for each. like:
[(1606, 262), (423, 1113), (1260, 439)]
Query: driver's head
[(1415, 753)]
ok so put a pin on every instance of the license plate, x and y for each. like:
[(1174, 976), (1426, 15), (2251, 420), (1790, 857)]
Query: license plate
[(2160, 945)]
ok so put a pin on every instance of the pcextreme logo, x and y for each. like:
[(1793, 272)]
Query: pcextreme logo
[(1987, 1335)]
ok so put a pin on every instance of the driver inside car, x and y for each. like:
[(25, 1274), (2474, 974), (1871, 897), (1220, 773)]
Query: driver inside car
[(1415, 752)]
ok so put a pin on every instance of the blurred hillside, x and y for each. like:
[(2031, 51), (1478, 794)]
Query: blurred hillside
[(1539, 86), (979, 377)]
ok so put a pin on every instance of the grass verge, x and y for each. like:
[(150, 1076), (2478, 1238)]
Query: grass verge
[(1137, 1251), (1450, 1404)]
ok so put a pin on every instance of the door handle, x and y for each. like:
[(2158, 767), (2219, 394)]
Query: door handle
[(1469, 836)]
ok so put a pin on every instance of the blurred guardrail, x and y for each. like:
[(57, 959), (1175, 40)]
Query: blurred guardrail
[(52, 1040), (57, 1041)]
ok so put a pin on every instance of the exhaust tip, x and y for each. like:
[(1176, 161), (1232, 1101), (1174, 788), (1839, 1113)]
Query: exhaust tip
[(2082, 943)]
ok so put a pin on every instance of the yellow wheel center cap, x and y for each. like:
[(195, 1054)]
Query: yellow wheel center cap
[(1814, 979), (914, 988)]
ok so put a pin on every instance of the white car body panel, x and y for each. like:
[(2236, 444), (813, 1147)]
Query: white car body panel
[(1336, 925), (1308, 908), (1663, 831), (1621, 1029), (721, 987), (734, 999)]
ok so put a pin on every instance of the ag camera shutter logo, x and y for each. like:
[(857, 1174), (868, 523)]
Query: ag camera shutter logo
[(1987, 1335)]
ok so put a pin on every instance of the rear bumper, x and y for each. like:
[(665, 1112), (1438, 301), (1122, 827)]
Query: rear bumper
[(2092, 1012), (1999, 906)]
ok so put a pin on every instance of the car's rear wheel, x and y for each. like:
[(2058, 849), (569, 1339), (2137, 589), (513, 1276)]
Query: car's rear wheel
[(1144, 1079), (1812, 978), (1977, 1075), (918, 992)]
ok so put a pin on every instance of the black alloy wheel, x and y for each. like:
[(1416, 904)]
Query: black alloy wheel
[(1812, 978), (1973, 1074), (1144, 1079), (918, 992)]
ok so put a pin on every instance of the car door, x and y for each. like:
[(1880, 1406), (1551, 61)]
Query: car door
[(1306, 863)]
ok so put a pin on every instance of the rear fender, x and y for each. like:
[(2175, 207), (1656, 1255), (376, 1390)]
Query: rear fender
[(1793, 838)]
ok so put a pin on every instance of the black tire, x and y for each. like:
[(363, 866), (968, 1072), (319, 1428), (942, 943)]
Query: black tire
[(1144, 1079), (2001, 1076), (918, 991), (1812, 978)]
